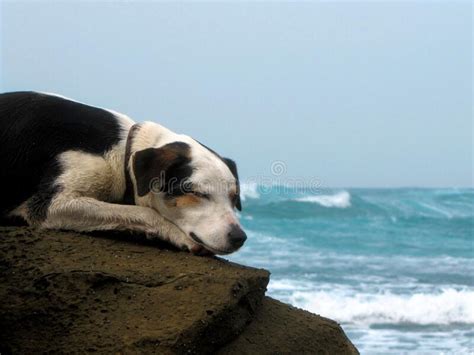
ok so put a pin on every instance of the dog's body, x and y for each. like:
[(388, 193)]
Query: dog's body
[(67, 165)]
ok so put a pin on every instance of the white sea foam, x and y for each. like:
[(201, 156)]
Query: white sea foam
[(446, 306), (249, 190), (394, 341), (340, 200)]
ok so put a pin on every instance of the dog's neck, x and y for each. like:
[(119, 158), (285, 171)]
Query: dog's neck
[(142, 136)]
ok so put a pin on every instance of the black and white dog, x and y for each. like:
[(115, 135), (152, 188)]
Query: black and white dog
[(67, 165)]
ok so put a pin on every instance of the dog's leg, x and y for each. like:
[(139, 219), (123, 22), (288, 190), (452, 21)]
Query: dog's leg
[(87, 214)]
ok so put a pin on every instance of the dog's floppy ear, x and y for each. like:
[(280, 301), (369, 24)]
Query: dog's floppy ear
[(153, 167), (233, 169)]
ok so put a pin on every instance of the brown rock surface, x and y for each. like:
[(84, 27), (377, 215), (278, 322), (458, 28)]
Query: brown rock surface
[(282, 329), (69, 292)]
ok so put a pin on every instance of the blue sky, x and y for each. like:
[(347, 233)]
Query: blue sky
[(353, 94)]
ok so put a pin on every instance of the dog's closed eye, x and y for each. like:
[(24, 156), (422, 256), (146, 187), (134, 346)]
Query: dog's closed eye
[(200, 194)]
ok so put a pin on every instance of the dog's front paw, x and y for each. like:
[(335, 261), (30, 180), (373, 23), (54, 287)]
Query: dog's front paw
[(180, 241), (194, 248)]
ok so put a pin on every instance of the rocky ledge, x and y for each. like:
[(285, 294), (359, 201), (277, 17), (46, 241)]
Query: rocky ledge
[(66, 292)]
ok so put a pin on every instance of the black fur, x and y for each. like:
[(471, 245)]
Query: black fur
[(38, 204), (34, 129), (164, 169), (233, 169)]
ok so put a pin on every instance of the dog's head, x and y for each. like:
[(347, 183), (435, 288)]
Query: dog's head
[(194, 188)]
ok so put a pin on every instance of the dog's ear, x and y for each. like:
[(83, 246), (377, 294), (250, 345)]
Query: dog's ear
[(233, 169), (154, 167)]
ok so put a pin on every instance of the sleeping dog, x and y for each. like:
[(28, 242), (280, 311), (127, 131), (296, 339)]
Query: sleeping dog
[(67, 165)]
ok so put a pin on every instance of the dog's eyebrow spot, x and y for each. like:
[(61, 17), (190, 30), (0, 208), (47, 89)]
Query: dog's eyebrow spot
[(186, 201)]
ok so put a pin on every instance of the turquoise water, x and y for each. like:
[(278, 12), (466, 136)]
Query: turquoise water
[(394, 266)]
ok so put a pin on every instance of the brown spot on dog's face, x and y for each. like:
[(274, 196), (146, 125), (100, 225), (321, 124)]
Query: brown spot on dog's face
[(187, 200)]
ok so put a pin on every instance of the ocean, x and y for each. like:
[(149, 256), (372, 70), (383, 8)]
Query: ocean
[(395, 267)]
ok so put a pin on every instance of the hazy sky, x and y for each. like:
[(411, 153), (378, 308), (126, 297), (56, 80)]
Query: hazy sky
[(354, 94)]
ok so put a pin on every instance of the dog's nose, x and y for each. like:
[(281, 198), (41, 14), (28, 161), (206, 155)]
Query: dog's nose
[(237, 236)]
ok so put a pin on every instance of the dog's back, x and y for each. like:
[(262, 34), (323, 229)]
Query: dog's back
[(34, 129)]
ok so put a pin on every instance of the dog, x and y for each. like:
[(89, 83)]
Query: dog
[(67, 165)]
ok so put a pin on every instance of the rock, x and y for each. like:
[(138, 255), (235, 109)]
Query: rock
[(282, 329), (70, 292)]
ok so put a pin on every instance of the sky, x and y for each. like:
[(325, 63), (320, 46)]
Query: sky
[(353, 94)]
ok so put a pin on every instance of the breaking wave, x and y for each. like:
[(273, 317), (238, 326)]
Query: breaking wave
[(392, 204), (340, 200), (249, 190), (448, 306)]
